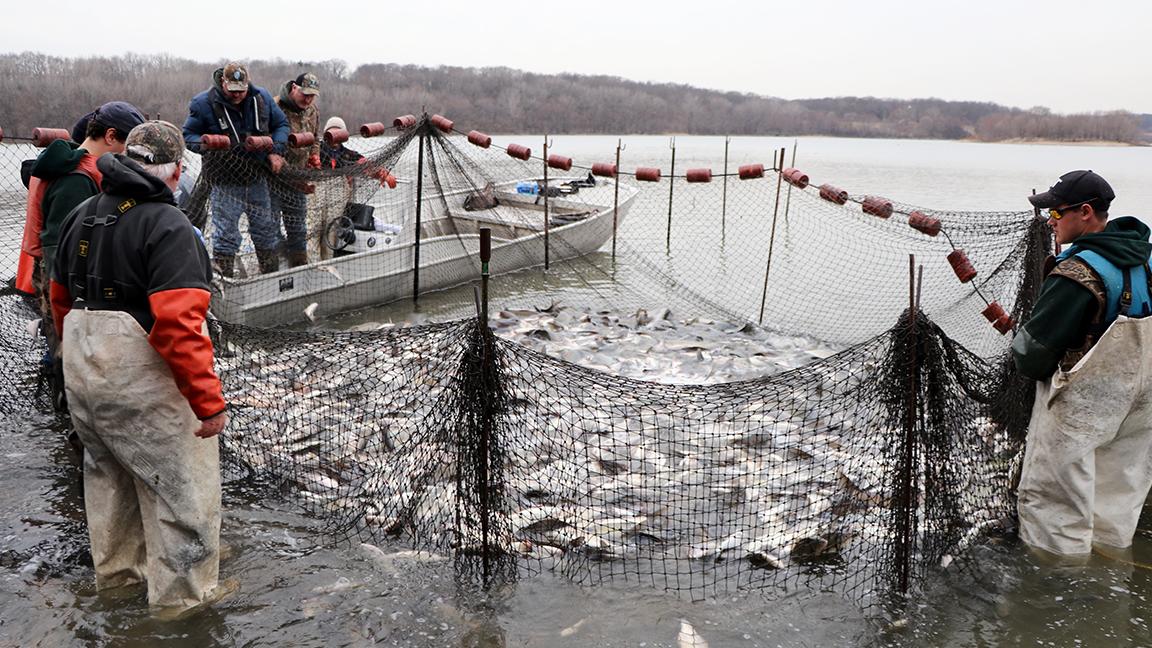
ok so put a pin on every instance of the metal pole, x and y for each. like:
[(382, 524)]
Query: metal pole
[(485, 257), (616, 198), (724, 199), (671, 186), (788, 196), (904, 549), (419, 200), (772, 237), (544, 189)]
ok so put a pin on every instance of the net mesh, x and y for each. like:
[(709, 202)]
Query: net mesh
[(861, 472)]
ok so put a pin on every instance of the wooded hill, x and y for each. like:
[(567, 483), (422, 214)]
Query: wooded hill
[(41, 90)]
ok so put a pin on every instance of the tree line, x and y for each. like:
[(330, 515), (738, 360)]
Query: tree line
[(42, 90)]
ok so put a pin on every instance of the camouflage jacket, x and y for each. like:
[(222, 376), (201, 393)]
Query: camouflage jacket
[(301, 121)]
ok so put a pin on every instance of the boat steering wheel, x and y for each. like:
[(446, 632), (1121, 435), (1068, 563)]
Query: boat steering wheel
[(339, 234)]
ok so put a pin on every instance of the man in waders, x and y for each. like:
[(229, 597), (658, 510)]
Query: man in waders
[(130, 294), (1088, 461)]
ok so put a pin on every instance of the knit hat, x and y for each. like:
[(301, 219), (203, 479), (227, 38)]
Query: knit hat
[(334, 122)]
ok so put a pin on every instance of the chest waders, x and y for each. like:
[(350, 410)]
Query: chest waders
[(1088, 460), (151, 487)]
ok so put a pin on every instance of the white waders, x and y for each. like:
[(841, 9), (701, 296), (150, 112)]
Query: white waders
[(151, 487), (1088, 461)]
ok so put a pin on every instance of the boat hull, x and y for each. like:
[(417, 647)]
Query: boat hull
[(386, 275)]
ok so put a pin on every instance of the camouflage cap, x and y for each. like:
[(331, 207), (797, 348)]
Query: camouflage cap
[(235, 77), (308, 84), (155, 142)]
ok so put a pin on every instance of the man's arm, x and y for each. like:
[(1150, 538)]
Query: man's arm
[(195, 125), (1060, 321), (279, 127), (178, 297)]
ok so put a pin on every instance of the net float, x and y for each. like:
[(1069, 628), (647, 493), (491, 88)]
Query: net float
[(44, 136), (372, 129), (404, 121), (604, 169), (334, 136), (301, 140), (479, 139), (699, 175), (560, 162), (214, 142), (253, 143), (918, 221), (1004, 324), (648, 174), (877, 206), (961, 265), (795, 177), (833, 194), (442, 122), (519, 151), (751, 171), (993, 312)]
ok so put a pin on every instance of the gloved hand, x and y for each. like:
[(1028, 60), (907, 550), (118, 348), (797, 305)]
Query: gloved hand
[(362, 160), (314, 161)]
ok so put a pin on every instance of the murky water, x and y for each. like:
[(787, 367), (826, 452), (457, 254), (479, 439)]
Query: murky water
[(294, 594)]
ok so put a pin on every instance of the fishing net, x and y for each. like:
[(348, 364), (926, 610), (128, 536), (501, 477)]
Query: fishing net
[(863, 471)]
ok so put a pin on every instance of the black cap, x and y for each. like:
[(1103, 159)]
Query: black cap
[(80, 128), (120, 115), (1074, 188)]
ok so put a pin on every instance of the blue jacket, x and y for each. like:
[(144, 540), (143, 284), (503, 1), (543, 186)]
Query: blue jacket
[(252, 117)]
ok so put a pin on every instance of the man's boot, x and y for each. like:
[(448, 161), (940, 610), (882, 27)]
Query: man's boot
[(269, 260), (225, 264), (297, 258)]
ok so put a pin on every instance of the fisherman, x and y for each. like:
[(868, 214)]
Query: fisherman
[(63, 176), (239, 178), (337, 156), (298, 101), (1088, 462), (130, 293)]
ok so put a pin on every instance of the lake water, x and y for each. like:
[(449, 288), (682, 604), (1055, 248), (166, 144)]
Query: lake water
[(343, 597)]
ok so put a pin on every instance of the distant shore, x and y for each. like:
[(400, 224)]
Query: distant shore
[(1051, 142)]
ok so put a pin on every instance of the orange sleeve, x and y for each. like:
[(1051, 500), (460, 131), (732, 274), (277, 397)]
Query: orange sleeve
[(61, 301), (178, 337)]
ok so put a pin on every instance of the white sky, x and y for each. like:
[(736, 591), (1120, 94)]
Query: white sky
[(1070, 56)]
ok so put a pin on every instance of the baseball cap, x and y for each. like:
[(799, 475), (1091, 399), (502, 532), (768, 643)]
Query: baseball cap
[(235, 77), (80, 128), (334, 122), (308, 83), (120, 115), (155, 142), (1076, 187)]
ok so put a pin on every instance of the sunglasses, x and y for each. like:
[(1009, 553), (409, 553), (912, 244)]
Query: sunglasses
[(1057, 214)]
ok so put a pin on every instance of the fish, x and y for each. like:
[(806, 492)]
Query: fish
[(310, 311)]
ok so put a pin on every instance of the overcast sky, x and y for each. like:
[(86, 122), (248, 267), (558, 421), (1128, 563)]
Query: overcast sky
[(1069, 56)]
